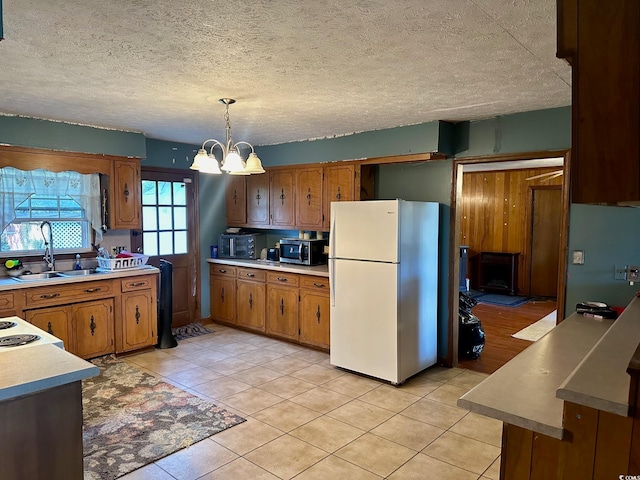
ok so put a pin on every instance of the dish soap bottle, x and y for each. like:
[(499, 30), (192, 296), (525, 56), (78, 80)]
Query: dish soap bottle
[(77, 266)]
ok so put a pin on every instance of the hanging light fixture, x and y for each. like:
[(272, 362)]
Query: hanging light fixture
[(231, 161)]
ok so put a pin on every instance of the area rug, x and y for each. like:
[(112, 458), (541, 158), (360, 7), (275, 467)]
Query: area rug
[(537, 330), (190, 330), (502, 300), (132, 419)]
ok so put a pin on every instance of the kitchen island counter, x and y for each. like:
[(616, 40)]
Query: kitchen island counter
[(316, 270), (523, 392)]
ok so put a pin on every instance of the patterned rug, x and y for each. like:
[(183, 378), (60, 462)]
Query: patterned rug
[(190, 330), (132, 419)]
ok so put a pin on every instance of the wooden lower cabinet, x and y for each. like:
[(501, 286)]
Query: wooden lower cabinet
[(93, 328), (314, 311), (87, 328), (222, 293), (140, 320), (282, 312), (53, 320), (250, 305)]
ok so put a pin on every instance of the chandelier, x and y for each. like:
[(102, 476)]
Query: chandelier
[(231, 161)]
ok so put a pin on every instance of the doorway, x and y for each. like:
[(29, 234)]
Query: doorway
[(496, 223), (546, 208), (170, 232)]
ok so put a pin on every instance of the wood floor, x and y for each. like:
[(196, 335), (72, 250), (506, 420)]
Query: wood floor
[(499, 324)]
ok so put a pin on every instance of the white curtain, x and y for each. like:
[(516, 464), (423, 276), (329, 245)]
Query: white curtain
[(17, 185)]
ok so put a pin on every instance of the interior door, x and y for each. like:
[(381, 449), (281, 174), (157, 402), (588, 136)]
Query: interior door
[(545, 240), (170, 231)]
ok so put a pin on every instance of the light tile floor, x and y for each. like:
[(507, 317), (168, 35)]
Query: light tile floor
[(309, 420)]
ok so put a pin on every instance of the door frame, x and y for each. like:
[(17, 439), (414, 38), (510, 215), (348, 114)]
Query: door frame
[(193, 226), (451, 360)]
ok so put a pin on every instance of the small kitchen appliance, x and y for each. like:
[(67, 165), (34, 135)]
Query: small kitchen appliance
[(303, 251), (246, 246)]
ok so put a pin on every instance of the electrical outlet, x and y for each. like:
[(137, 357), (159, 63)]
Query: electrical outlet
[(578, 257), (620, 272)]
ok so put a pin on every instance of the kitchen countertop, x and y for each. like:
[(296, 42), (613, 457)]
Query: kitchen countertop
[(601, 380), (38, 368), (318, 270), (523, 392), (8, 283)]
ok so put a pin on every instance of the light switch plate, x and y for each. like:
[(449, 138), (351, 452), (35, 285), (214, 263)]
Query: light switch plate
[(578, 257)]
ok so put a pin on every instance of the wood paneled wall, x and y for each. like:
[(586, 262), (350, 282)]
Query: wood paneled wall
[(496, 215)]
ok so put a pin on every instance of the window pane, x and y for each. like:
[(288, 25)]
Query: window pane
[(148, 192), (165, 220), (149, 218), (179, 193), (164, 193), (181, 242), (180, 218), (166, 243), (150, 243)]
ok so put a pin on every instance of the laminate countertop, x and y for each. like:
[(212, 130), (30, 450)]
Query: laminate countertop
[(523, 392), (40, 367), (317, 270)]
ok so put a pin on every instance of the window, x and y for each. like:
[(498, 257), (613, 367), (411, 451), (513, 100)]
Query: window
[(164, 218), (71, 230), (70, 201)]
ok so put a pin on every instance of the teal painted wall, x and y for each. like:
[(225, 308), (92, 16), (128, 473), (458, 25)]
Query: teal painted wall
[(426, 137), (50, 135), (608, 237)]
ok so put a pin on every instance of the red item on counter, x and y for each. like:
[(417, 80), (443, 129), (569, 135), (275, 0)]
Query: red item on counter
[(125, 255)]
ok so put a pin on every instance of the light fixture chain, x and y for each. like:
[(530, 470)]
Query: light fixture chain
[(227, 126)]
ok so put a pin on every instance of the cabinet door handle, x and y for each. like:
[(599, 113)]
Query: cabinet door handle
[(222, 270), (282, 279), (258, 197), (222, 295), (49, 328), (251, 301), (137, 284), (235, 197), (126, 193), (319, 285), (50, 295), (251, 274), (92, 326), (318, 314), (138, 315), (282, 306), (338, 195), (282, 197), (309, 196), (92, 290)]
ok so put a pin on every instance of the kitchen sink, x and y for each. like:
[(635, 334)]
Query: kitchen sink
[(32, 277), (78, 273)]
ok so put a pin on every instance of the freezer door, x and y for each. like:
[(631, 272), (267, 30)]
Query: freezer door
[(364, 328), (365, 230)]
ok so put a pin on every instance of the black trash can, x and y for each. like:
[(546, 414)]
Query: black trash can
[(165, 306), (471, 337)]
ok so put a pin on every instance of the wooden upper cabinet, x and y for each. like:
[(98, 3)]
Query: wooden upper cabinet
[(236, 202), (126, 195), (309, 198), (258, 199), (282, 197), (339, 186), (605, 157)]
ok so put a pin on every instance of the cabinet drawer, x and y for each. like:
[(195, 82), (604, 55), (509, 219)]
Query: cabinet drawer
[(59, 294), (252, 274), (314, 283), (290, 279), (137, 283), (6, 301), (223, 270)]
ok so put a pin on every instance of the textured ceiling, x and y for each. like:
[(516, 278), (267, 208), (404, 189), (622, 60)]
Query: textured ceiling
[(299, 69)]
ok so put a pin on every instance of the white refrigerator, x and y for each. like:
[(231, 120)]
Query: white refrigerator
[(383, 274)]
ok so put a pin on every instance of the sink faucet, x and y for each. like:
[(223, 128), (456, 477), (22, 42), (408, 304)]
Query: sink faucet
[(48, 245)]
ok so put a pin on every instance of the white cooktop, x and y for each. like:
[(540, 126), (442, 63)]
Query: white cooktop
[(23, 327)]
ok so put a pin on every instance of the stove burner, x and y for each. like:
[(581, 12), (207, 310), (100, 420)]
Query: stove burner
[(17, 340), (4, 325)]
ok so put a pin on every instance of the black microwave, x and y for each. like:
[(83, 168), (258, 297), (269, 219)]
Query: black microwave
[(247, 246), (303, 252)]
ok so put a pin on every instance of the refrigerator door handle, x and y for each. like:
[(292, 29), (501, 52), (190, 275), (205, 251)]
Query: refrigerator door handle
[(332, 238), (332, 282)]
